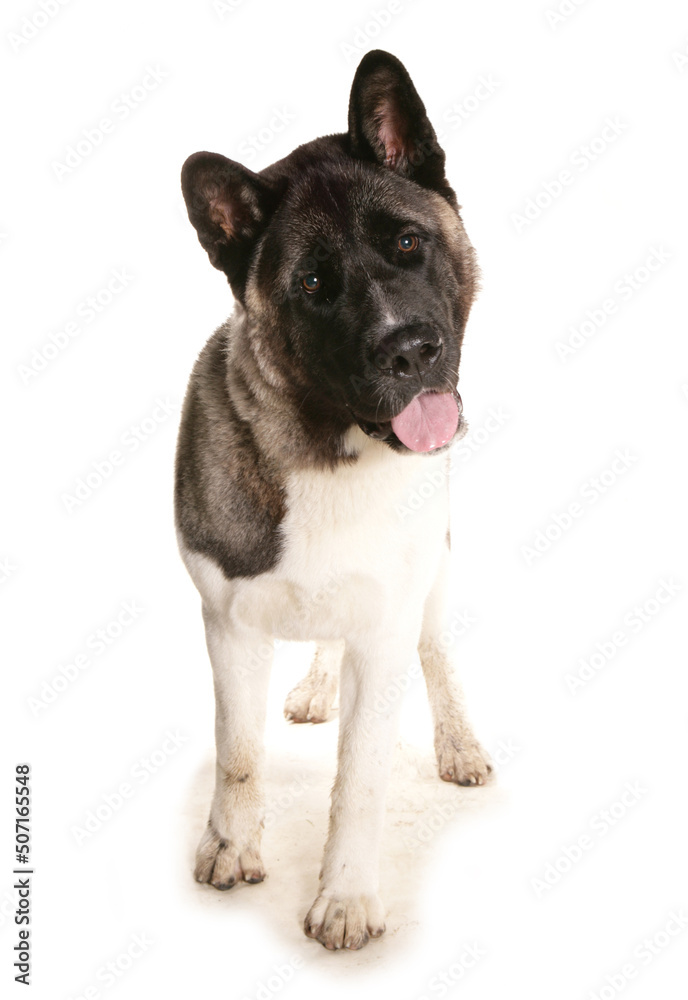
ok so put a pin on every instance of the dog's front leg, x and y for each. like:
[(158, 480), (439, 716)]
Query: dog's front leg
[(348, 910), (460, 757), (230, 847)]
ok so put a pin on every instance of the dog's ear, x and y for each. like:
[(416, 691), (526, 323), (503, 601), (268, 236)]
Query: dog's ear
[(229, 206), (388, 123)]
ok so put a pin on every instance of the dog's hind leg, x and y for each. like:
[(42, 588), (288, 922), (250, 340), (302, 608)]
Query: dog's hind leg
[(313, 697), (459, 755), (229, 850)]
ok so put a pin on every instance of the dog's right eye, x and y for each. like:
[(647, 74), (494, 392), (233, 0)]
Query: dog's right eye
[(311, 283), (408, 242)]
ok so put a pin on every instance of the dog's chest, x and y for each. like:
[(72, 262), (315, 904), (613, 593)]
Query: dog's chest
[(352, 557), (349, 542)]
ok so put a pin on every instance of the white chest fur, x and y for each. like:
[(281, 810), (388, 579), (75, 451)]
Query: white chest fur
[(348, 555)]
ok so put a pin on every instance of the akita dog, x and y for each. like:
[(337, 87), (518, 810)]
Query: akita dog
[(311, 414)]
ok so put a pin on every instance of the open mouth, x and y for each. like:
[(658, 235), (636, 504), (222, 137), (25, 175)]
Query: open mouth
[(427, 423)]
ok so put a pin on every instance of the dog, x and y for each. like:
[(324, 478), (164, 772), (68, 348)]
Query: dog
[(311, 415)]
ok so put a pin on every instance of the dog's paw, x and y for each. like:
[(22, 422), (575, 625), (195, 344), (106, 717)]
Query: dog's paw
[(346, 922), (220, 864), (463, 761), (310, 701)]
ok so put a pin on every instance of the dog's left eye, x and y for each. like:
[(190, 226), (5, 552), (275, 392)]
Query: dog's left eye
[(408, 242), (311, 283)]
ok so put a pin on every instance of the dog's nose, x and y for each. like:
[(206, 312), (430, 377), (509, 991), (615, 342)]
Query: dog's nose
[(408, 351)]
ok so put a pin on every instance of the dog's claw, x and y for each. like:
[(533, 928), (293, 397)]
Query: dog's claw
[(222, 866), (345, 923), (462, 761)]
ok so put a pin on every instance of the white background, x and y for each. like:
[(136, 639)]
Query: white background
[(66, 573)]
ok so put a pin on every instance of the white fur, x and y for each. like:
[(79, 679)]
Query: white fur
[(313, 697), (351, 569)]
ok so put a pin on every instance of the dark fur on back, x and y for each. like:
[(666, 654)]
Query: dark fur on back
[(228, 499)]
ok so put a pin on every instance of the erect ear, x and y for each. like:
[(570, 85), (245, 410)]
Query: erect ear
[(229, 206), (388, 123)]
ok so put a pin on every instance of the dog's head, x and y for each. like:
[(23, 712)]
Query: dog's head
[(352, 264)]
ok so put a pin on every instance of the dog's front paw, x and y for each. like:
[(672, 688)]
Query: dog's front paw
[(311, 702), (462, 760), (223, 865), (346, 922)]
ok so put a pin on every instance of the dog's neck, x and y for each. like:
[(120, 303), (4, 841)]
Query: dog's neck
[(294, 425)]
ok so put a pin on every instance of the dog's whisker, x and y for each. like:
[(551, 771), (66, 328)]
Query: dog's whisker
[(304, 400)]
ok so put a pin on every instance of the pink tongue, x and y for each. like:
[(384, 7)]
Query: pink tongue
[(428, 422)]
